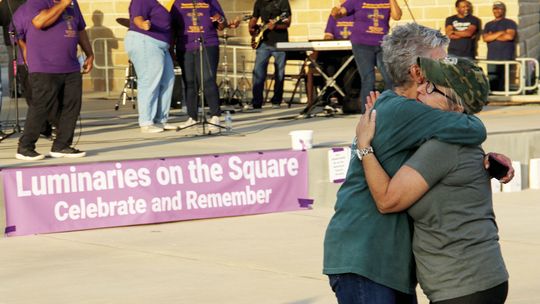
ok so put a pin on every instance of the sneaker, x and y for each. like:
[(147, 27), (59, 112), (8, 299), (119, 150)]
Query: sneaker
[(276, 106), (28, 155), (68, 152), (213, 126), (151, 129), (250, 108), (190, 122), (168, 126)]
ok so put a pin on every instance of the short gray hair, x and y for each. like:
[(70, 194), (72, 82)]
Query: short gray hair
[(404, 45)]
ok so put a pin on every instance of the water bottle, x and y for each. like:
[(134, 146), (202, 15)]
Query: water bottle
[(228, 121)]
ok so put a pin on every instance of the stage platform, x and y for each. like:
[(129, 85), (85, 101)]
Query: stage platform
[(271, 258)]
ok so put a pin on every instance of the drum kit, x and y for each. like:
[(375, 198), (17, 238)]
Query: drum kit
[(228, 94), (130, 80)]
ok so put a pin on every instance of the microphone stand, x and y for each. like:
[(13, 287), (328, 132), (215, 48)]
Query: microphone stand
[(14, 50), (200, 93)]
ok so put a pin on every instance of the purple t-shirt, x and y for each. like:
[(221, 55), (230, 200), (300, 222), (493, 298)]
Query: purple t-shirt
[(190, 26), (54, 49), (160, 20), (20, 23), (371, 19), (340, 28)]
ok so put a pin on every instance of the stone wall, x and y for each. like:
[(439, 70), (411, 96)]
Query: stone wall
[(529, 28), (308, 22)]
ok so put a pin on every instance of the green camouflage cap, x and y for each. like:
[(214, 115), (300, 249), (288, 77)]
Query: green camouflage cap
[(463, 76)]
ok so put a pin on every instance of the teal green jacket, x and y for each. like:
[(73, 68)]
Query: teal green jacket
[(361, 240)]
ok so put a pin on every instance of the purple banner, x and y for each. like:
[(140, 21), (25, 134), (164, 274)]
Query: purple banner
[(86, 196)]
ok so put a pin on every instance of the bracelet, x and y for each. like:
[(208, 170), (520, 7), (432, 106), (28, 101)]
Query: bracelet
[(363, 152), (221, 20)]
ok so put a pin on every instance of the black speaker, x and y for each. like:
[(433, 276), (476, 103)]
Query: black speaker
[(178, 92), (352, 86)]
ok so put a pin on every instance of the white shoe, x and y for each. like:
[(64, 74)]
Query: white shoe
[(151, 129), (250, 108), (276, 106), (168, 126), (190, 122), (213, 126)]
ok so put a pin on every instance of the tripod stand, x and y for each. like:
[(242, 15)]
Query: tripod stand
[(225, 84), (243, 85), (14, 49), (130, 84), (203, 58)]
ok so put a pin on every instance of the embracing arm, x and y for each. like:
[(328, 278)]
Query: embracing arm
[(419, 123), (395, 194), (390, 194)]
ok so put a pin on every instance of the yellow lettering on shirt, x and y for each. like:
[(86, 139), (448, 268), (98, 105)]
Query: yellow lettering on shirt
[(376, 5), (191, 6)]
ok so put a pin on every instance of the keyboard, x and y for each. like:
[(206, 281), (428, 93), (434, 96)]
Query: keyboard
[(317, 45)]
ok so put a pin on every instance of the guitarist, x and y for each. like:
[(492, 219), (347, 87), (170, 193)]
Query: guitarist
[(276, 18)]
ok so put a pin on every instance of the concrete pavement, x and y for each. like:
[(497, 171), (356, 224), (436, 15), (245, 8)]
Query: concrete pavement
[(271, 258)]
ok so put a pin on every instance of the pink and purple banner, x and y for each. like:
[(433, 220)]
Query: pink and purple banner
[(86, 196)]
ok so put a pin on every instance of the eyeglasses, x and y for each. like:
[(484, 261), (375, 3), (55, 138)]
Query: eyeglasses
[(430, 88)]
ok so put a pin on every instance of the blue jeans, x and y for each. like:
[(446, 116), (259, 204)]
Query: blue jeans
[(190, 62), (366, 58), (351, 288), (155, 76), (262, 57)]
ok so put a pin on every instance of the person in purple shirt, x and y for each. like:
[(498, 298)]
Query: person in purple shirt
[(195, 25), (19, 25), (54, 69), (371, 23), (339, 28), (147, 44), (331, 61)]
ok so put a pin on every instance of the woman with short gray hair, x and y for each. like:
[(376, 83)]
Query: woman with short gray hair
[(446, 191)]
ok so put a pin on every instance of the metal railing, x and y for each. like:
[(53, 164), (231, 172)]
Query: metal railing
[(107, 66), (235, 75), (524, 65)]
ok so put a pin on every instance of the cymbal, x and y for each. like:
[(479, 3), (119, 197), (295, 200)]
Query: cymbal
[(123, 21)]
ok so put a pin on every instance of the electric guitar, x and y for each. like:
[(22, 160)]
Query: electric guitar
[(259, 36), (236, 21)]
